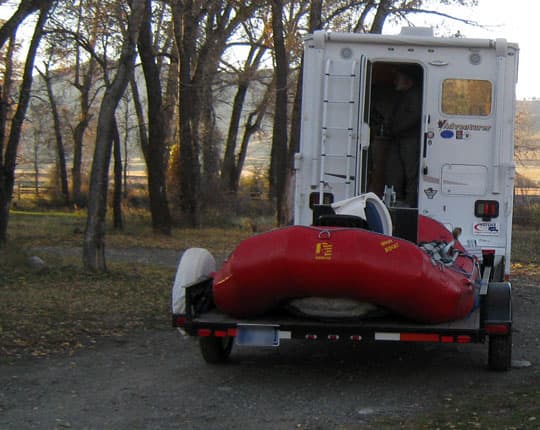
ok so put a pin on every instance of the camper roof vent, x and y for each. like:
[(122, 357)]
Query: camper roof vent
[(417, 31)]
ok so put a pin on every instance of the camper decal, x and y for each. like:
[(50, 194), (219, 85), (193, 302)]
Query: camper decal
[(430, 193), (462, 135), (486, 228), (444, 125), (447, 134)]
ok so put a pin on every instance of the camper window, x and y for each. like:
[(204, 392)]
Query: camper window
[(466, 97)]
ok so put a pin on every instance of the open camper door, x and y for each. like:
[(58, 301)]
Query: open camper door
[(466, 167), (335, 131)]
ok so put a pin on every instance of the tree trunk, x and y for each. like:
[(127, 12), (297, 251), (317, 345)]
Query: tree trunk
[(170, 106), (78, 132), (118, 219), (383, 9), (189, 174), (26, 8), (315, 23), (278, 162), (84, 87), (60, 151), (8, 163), (157, 190), (253, 124), (5, 92), (139, 113), (228, 169), (94, 237)]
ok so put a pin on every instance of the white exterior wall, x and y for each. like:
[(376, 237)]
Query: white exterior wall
[(482, 157)]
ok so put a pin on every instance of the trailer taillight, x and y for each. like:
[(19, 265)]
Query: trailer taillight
[(328, 199), (486, 209), (497, 329)]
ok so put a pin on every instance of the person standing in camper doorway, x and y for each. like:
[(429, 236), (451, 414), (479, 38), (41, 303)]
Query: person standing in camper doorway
[(403, 159)]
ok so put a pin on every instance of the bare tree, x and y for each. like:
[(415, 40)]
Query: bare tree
[(154, 152), (201, 32), (279, 134), (231, 165), (59, 140), (9, 155), (94, 237), (25, 9)]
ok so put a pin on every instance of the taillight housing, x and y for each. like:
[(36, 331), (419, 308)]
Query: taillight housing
[(328, 199), (486, 209)]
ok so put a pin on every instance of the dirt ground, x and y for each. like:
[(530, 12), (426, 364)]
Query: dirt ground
[(155, 379)]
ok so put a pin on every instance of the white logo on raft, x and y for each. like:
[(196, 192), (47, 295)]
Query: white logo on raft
[(486, 228)]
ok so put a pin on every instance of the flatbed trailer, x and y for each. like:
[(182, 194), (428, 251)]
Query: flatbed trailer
[(464, 141), (218, 332)]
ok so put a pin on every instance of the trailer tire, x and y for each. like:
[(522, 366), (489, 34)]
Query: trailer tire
[(500, 352), (216, 350)]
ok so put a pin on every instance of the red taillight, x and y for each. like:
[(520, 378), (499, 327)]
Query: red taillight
[(204, 332), (486, 209), (220, 333), (497, 329), (463, 339)]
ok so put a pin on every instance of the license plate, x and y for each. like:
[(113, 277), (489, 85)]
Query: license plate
[(257, 335)]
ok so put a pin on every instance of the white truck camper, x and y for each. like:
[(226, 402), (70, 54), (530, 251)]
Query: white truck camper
[(445, 154), (465, 175)]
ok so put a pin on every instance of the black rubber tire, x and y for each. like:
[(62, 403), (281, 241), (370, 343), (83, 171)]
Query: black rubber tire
[(500, 352), (216, 350)]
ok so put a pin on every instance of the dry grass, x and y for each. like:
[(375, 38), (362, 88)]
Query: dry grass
[(66, 307)]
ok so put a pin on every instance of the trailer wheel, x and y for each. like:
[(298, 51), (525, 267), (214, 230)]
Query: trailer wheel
[(500, 352), (216, 350)]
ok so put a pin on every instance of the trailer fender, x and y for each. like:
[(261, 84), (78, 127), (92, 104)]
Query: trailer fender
[(195, 265), (497, 305)]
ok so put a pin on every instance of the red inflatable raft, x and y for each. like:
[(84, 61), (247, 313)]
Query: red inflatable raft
[(300, 261)]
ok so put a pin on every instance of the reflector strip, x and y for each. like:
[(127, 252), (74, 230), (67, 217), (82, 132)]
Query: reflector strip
[(497, 329), (407, 337), (419, 337), (387, 336), (463, 339), (204, 332)]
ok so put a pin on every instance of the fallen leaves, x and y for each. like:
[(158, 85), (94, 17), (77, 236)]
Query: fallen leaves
[(68, 309)]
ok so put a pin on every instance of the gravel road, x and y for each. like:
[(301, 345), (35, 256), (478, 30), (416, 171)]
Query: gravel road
[(155, 379)]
